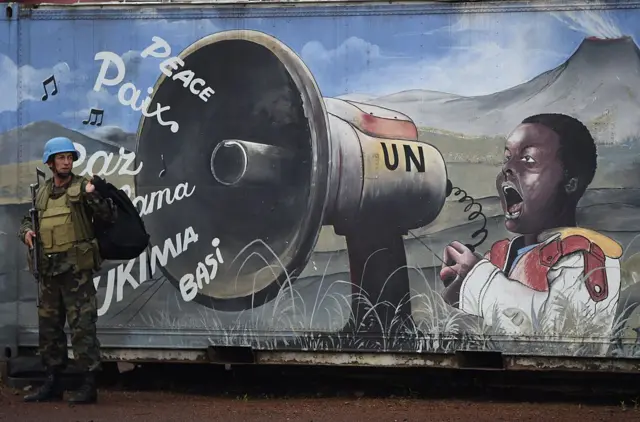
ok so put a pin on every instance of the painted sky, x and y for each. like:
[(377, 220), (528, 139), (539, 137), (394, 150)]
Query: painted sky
[(465, 54)]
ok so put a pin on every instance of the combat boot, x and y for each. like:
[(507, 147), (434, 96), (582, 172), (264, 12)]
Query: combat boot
[(51, 390), (87, 393)]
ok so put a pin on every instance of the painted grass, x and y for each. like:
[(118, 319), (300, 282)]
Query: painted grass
[(435, 327)]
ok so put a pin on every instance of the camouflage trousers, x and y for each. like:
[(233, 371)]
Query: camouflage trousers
[(68, 297)]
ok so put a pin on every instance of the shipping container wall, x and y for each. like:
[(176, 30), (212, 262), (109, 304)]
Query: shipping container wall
[(416, 177), (10, 268)]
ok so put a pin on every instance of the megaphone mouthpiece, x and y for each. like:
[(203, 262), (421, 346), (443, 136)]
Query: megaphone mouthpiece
[(449, 188)]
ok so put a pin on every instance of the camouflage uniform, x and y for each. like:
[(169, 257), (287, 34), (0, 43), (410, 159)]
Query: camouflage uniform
[(67, 292)]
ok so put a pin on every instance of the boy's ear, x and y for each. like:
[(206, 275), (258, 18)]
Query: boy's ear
[(571, 185)]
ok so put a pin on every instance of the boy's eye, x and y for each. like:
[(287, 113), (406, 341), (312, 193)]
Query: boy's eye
[(528, 159)]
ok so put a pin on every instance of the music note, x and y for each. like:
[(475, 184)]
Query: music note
[(164, 166), (94, 113), (46, 82)]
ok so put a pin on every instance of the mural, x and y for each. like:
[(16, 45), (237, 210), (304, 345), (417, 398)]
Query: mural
[(382, 181)]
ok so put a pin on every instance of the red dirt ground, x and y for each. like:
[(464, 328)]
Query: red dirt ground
[(161, 406), (168, 392)]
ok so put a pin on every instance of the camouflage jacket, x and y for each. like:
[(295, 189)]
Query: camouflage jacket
[(96, 208)]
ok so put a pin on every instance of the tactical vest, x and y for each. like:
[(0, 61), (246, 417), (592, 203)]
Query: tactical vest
[(65, 227)]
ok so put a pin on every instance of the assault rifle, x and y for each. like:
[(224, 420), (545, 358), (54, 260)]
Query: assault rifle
[(35, 222)]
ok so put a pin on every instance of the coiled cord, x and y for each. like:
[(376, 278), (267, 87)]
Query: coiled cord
[(472, 216)]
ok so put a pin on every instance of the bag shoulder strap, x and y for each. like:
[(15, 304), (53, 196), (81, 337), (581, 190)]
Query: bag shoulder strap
[(82, 221)]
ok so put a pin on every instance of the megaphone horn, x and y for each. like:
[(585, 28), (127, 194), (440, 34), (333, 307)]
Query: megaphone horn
[(272, 162)]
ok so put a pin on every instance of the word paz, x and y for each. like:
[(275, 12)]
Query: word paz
[(124, 166)]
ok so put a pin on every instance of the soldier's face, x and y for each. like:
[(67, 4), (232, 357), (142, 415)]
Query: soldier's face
[(531, 183), (63, 163)]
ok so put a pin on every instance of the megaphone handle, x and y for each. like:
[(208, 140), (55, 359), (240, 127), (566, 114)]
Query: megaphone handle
[(378, 267)]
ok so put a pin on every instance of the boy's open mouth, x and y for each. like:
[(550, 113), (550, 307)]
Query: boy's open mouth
[(513, 201)]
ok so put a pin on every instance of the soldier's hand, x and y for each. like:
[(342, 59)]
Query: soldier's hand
[(89, 188), (28, 238)]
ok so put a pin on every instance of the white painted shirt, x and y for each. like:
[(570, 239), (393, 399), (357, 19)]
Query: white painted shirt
[(516, 308)]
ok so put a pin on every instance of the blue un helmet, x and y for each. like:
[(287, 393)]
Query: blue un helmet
[(58, 145)]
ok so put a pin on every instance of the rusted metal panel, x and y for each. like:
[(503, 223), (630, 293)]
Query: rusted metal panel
[(529, 363), (357, 359), (389, 360), (155, 355), (306, 178)]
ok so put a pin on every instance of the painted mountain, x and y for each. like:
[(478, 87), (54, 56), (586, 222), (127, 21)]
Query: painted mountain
[(27, 143), (599, 84)]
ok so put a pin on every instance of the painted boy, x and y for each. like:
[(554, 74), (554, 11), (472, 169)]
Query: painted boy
[(549, 160)]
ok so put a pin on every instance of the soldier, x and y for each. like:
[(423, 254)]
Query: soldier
[(69, 254)]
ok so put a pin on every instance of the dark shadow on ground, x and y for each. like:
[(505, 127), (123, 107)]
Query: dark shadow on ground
[(279, 381), (304, 381)]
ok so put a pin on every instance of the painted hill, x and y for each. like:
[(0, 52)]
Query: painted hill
[(115, 136), (599, 84), (27, 142)]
